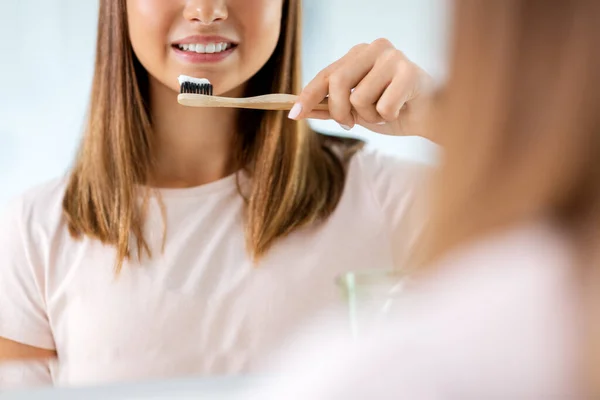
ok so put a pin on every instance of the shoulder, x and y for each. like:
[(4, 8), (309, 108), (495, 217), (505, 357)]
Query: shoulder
[(388, 175), (375, 167), (399, 188), (28, 228), (376, 162), (38, 206)]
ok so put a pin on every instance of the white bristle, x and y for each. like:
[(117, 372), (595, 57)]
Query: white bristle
[(199, 81)]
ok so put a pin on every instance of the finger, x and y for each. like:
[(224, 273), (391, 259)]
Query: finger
[(318, 88), (360, 55), (369, 91), (395, 97), (319, 114), (340, 108), (349, 76)]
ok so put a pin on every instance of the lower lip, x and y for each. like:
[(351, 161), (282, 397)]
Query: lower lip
[(199, 58)]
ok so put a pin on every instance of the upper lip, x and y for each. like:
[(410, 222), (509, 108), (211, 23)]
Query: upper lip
[(203, 39)]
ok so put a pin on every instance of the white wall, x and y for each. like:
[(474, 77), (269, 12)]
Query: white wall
[(47, 54), (46, 50)]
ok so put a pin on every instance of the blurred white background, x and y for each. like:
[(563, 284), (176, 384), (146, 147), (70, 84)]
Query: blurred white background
[(47, 54)]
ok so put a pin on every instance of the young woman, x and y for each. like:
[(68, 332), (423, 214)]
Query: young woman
[(193, 241), (507, 307)]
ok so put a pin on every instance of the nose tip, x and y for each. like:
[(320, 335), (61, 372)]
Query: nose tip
[(205, 12)]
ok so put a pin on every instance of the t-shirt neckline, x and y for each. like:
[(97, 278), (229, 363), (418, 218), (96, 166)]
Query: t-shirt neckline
[(220, 185)]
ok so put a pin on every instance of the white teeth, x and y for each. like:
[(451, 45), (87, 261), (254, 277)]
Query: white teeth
[(209, 48)]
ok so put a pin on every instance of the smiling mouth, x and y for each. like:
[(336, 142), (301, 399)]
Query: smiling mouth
[(205, 48)]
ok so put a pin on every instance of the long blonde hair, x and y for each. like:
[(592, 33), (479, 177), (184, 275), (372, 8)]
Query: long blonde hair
[(297, 175), (519, 121)]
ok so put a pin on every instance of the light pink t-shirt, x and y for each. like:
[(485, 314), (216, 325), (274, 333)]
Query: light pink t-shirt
[(201, 307)]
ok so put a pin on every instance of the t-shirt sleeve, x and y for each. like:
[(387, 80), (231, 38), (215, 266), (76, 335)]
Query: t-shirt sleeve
[(399, 188), (23, 316), (25, 375)]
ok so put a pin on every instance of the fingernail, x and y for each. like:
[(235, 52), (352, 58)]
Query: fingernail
[(346, 127), (295, 111), (382, 123)]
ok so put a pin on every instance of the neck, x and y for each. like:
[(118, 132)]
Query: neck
[(194, 146)]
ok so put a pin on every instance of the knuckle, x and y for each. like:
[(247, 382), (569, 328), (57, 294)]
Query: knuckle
[(359, 47), (387, 111), (308, 92), (324, 75), (358, 99), (383, 43), (339, 80), (407, 71), (406, 67), (392, 56)]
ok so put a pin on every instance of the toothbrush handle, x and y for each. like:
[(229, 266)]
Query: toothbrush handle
[(265, 102)]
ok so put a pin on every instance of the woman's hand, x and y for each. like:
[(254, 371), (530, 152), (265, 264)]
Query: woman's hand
[(375, 86)]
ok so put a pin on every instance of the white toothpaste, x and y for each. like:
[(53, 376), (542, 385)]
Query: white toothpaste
[(199, 81)]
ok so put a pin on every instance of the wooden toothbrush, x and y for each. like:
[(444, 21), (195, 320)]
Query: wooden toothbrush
[(196, 92)]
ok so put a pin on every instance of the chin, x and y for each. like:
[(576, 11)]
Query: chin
[(231, 90), (226, 87)]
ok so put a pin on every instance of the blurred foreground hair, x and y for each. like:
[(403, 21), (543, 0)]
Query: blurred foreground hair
[(521, 121)]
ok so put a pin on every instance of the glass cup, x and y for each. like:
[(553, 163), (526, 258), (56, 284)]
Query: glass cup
[(370, 297)]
